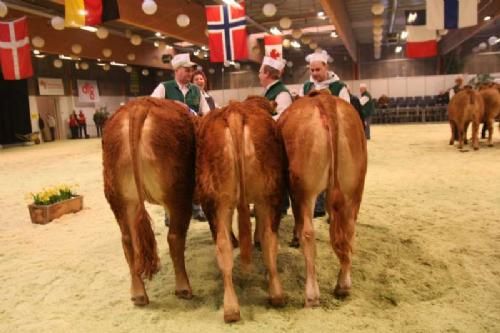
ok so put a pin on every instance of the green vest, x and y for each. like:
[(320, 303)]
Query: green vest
[(276, 89), (334, 87), (369, 107), (192, 98)]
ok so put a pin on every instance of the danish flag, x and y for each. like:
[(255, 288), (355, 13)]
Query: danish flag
[(15, 54), (227, 35)]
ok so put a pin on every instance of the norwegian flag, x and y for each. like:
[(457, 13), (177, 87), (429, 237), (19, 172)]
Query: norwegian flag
[(273, 46), (15, 54), (227, 35)]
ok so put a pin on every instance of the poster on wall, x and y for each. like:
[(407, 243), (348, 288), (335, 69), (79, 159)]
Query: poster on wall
[(87, 91), (50, 86)]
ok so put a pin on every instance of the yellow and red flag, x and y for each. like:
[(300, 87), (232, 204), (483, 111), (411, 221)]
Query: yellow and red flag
[(89, 12)]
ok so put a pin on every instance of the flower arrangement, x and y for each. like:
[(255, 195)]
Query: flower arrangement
[(51, 195)]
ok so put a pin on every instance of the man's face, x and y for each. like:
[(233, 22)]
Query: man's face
[(319, 71), (263, 77), (184, 74), (459, 82), (362, 89)]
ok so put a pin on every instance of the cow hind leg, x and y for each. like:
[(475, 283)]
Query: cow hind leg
[(179, 224), (454, 134), (342, 237), (475, 135), (245, 233), (308, 246), (224, 251), (490, 124), (266, 215)]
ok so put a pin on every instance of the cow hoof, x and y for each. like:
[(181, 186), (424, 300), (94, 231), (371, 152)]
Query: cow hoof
[(231, 316), (277, 301), (184, 294), (340, 292), (140, 300), (312, 303), (451, 143), (476, 148), (490, 145)]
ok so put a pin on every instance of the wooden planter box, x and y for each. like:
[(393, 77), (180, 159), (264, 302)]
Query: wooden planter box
[(45, 214)]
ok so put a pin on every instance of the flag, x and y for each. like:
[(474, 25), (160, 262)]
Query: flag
[(227, 35), (273, 46), (89, 12), (420, 42), (451, 14), (15, 53)]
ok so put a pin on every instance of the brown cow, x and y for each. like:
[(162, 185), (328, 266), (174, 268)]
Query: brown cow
[(465, 107), (148, 154), (326, 149), (491, 98), (240, 160)]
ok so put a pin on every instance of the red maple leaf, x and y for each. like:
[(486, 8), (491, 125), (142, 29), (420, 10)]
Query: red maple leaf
[(274, 54)]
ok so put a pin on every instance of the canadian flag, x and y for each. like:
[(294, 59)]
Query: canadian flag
[(273, 46), (15, 54)]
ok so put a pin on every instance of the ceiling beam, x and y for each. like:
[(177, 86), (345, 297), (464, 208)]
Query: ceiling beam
[(337, 12), (164, 20), (458, 36)]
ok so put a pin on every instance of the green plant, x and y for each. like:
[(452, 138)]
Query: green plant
[(49, 196)]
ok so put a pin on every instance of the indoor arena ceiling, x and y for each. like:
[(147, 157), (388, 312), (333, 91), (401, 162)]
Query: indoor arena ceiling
[(351, 20)]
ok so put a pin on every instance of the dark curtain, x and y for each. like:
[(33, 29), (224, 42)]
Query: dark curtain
[(14, 110)]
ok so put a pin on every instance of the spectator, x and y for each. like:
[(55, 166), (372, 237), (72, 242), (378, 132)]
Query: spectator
[(82, 124), (368, 107), (52, 126), (73, 125), (459, 81), (200, 80), (98, 121)]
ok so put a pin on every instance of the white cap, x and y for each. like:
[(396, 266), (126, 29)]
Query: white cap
[(363, 85), (182, 60), (274, 63), (318, 56)]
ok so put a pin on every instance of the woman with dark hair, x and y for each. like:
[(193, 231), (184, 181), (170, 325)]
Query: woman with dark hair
[(200, 80)]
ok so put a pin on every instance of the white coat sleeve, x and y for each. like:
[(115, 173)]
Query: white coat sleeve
[(363, 100), (159, 91), (344, 94)]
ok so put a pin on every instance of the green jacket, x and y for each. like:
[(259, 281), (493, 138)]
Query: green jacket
[(369, 107), (192, 98), (277, 88)]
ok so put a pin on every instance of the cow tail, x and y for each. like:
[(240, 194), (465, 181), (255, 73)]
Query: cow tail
[(236, 127), (336, 198), (146, 261), (472, 96)]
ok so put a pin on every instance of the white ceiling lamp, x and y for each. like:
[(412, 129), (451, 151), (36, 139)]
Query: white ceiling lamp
[(76, 48), (286, 43), (131, 57), (285, 22), (89, 28), (377, 9), (486, 18), (295, 44), (149, 7), (38, 42), (321, 15), (296, 33), (102, 33), (106, 67), (107, 53), (145, 72), (289, 64), (136, 40), (128, 69), (57, 23), (57, 63), (269, 9), (211, 71), (398, 49), (305, 40), (183, 20), (36, 52), (313, 45), (377, 31), (404, 34), (3, 9), (84, 66), (275, 31), (482, 46), (493, 40), (378, 21), (160, 73), (334, 34)]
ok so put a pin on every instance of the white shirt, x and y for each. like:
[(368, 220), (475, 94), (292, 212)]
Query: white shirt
[(51, 121), (159, 92), (283, 100), (332, 77), (363, 100), (205, 95)]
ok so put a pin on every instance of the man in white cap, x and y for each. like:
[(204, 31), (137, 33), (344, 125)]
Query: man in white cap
[(275, 90), (367, 108), (322, 78), (181, 89)]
